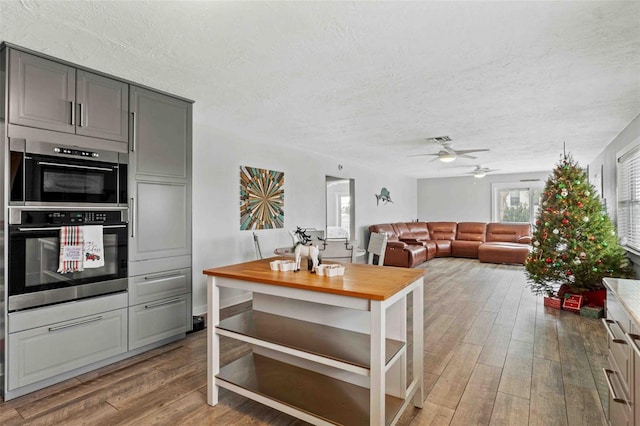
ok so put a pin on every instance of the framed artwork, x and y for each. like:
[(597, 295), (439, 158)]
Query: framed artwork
[(261, 198)]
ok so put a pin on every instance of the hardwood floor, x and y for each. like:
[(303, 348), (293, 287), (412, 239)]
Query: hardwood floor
[(494, 355)]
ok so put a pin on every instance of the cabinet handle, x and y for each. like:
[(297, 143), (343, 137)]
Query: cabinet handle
[(166, 302), (81, 123), (73, 113), (613, 338), (60, 327), (133, 132), (631, 338), (612, 392), (131, 219), (161, 276)]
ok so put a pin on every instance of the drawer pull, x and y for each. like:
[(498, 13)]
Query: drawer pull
[(60, 327), (613, 338), (612, 392), (166, 302), (162, 276), (632, 338)]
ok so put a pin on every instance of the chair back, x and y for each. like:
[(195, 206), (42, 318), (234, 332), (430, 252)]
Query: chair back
[(338, 250), (256, 244), (377, 246)]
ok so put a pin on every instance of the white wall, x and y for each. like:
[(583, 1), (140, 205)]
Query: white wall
[(465, 198), (602, 171), (217, 239)]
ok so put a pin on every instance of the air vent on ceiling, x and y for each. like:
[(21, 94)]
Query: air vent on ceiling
[(439, 139)]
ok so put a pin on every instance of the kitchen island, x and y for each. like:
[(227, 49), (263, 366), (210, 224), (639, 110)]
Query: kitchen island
[(328, 350)]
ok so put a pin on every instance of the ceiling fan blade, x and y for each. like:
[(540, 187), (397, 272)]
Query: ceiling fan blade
[(422, 155), (465, 155), (469, 151)]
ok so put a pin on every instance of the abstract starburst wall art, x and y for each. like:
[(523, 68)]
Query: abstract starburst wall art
[(261, 198)]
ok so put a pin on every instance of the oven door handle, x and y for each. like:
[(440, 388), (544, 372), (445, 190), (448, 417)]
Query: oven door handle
[(73, 166), (57, 228)]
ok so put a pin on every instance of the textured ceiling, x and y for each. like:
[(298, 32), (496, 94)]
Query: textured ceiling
[(369, 81)]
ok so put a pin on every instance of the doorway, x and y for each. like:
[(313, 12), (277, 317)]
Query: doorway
[(340, 207)]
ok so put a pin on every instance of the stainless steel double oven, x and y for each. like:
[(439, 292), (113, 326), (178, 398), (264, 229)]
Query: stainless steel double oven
[(52, 186)]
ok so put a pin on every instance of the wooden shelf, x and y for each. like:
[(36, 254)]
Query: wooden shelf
[(329, 342), (302, 391)]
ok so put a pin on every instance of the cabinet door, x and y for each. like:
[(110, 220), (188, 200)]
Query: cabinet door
[(161, 137), (155, 321), (44, 352), (41, 93), (161, 220), (103, 105)]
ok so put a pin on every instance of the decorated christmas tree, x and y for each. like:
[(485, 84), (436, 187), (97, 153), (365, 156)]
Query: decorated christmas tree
[(574, 241)]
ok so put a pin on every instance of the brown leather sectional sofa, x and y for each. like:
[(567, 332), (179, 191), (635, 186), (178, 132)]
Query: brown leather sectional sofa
[(412, 243)]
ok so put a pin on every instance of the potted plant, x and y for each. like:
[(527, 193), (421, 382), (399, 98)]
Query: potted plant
[(574, 242)]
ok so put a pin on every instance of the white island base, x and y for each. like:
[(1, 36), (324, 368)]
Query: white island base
[(328, 350)]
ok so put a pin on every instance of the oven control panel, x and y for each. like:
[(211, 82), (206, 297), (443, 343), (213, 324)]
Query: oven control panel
[(71, 217)]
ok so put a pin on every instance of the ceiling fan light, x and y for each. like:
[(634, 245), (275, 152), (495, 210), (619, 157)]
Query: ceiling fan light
[(479, 174), (447, 158)]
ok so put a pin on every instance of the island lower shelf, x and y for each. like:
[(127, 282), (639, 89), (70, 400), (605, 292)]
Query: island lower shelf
[(309, 393), (349, 348)]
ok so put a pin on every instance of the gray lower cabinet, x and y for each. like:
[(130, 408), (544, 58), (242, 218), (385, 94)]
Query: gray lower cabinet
[(57, 348), (159, 306), (49, 95), (154, 321)]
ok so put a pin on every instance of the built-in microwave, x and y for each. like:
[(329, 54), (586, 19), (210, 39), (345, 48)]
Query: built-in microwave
[(45, 173)]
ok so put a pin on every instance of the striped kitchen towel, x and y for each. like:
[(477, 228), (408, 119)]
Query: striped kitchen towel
[(71, 249)]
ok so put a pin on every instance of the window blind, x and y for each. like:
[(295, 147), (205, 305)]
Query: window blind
[(629, 199)]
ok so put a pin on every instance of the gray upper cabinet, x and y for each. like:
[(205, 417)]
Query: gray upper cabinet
[(160, 144), (41, 93), (102, 105), (49, 95), (159, 176)]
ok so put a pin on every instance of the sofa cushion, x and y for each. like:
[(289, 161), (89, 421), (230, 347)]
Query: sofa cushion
[(404, 255), (509, 232), (403, 231), (419, 230), (464, 248), (385, 228), (501, 252), (443, 248), (442, 230), (471, 231)]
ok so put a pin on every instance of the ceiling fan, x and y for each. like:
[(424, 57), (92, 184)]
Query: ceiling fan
[(480, 172), (447, 154)]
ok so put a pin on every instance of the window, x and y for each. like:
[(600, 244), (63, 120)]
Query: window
[(344, 207), (516, 202), (629, 199)]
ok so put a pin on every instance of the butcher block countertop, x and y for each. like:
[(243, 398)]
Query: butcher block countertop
[(362, 281)]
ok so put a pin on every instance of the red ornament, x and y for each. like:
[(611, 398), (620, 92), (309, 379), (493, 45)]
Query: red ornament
[(580, 204), (567, 214), (564, 256), (565, 221), (548, 260), (569, 272), (598, 261), (592, 238)]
